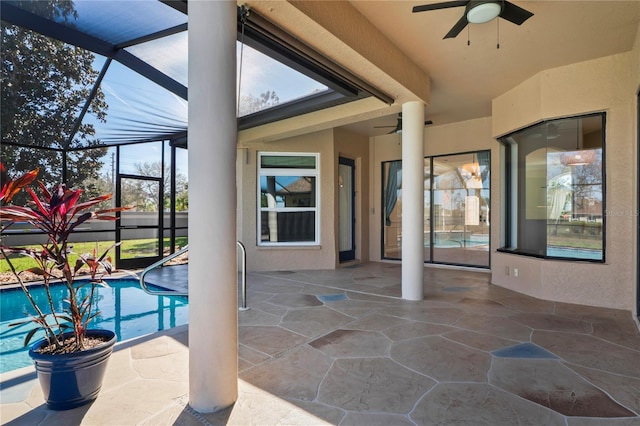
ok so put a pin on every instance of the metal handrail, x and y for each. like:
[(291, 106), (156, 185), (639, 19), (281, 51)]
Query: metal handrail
[(158, 264), (164, 260), (243, 307)]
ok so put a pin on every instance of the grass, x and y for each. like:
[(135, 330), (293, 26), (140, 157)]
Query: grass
[(582, 235), (139, 247)]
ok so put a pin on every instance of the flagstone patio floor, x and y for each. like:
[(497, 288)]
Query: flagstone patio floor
[(340, 347)]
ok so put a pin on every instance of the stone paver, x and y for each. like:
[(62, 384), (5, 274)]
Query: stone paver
[(480, 404), (589, 351), (353, 343), (442, 359), (550, 384), (297, 374), (372, 384)]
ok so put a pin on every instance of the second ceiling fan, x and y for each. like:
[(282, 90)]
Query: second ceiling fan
[(398, 126), (479, 12)]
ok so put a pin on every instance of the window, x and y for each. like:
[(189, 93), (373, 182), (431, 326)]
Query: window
[(288, 199), (456, 209), (555, 193)]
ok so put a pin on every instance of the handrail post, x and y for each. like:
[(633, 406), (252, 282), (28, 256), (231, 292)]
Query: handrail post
[(243, 307)]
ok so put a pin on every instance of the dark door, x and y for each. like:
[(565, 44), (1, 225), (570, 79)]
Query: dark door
[(139, 229), (346, 213)]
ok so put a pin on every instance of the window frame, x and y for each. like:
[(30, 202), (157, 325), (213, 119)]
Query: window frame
[(274, 171), (511, 209)]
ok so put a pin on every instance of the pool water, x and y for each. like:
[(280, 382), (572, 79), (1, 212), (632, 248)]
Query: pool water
[(574, 253), (125, 309)]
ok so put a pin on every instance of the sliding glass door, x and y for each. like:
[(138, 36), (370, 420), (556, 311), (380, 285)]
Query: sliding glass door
[(456, 209)]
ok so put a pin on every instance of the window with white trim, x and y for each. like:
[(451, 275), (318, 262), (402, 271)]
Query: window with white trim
[(288, 199)]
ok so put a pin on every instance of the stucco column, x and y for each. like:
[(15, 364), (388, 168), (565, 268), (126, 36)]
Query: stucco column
[(412, 200), (213, 304)]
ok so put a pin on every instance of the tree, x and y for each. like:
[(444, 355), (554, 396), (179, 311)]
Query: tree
[(587, 184), (45, 83), (144, 193), (182, 198), (250, 104), (154, 169)]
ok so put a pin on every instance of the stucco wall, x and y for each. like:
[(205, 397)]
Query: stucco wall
[(607, 84), (464, 136), (294, 257)]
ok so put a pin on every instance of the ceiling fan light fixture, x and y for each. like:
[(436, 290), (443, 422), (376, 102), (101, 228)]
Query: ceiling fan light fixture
[(553, 131), (482, 12)]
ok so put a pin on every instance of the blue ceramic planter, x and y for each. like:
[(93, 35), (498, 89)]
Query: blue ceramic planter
[(72, 380)]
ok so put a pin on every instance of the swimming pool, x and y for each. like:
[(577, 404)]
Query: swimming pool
[(575, 253), (125, 309)]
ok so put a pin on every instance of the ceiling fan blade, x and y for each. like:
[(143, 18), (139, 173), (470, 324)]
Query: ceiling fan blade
[(515, 14), (459, 26), (436, 6)]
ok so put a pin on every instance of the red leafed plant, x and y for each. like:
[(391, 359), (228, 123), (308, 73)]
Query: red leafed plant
[(56, 214)]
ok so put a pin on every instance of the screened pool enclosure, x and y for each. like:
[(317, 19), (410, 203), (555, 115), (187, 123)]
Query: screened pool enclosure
[(95, 94)]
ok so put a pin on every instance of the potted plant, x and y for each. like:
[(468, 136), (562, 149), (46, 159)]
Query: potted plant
[(71, 359)]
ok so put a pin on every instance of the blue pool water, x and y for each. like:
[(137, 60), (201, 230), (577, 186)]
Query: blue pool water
[(125, 309), (575, 253)]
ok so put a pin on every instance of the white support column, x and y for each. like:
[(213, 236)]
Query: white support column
[(213, 300), (412, 200)]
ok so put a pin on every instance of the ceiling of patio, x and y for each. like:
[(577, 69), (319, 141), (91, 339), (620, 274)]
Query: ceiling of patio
[(465, 78)]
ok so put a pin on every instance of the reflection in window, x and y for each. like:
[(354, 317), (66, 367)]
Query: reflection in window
[(288, 199), (555, 196), (460, 220)]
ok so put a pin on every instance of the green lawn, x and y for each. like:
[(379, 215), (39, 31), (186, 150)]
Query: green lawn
[(139, 247)]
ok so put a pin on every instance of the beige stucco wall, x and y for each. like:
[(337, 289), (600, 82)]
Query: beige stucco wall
[(294, 257), (330, 144), (464, 136), (607, 84)]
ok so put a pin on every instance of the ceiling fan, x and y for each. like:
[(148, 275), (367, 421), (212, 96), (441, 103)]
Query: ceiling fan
[(479, 12), (398, 127)]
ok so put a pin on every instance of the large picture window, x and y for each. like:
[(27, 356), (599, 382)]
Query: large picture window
[(288, 199), (555, 191)]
